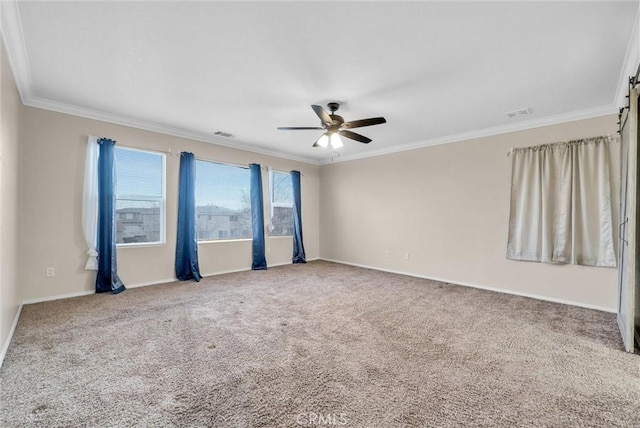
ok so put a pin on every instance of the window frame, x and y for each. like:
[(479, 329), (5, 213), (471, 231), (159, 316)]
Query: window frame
[(163, 200), (273, 204)]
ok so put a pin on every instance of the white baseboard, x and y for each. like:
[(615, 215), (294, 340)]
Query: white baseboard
[(290, 263), (482, 287), (57, 297), (141, 284), (87, 292), (224, 272), (5, 346), (147, 283)]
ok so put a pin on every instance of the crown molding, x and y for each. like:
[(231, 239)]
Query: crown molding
[(486, 132), (196, 136), (630, 64), (12, 34), (16, 50), (160, 128), (146, 125)]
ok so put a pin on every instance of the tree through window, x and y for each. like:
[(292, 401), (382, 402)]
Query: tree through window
[(281, 204)]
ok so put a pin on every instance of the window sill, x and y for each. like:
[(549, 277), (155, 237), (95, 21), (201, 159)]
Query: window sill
[(280, 236), (216, 241), (140, 244)]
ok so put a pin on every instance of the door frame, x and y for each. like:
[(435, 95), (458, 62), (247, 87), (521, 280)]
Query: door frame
[(628, 231)]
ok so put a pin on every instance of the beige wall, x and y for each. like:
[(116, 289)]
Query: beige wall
[(448, 207), (10, 108), (54, 155)]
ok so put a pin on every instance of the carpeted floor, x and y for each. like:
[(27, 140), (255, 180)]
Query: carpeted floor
[(320, 344)]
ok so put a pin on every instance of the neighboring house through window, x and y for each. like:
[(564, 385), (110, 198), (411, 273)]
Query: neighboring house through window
[(223, 203), (140, 196)]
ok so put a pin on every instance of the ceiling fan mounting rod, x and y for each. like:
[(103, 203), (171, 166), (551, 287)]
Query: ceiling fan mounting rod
[(333, 107)]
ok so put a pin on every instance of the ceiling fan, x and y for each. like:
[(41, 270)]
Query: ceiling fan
[(335, 126)]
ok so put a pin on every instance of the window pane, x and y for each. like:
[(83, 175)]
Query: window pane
[(223, 203), (138, 174), (282, 194), (137, 221), (282, 221), (139, 196), (282, 191)]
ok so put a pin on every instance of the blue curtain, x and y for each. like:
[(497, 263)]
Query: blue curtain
[(298, 247), (257, 218), (187, 240), (107, 279)]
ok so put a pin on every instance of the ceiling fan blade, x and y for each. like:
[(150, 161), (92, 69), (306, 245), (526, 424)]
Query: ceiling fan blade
[(364, 122), (323, 115), (354, 136), (298, 128)]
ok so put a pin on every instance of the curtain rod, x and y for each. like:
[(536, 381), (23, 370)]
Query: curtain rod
[(262, 167), (177, 154), (172, 153), (225, 163), (633, 82), (610, 138), (140, 149)]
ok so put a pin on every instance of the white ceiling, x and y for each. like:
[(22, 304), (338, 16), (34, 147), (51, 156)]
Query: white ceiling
[(436, 70)]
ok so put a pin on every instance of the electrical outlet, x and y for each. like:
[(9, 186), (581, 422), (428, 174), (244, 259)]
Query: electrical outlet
[(387, 254), (406, 256), (50, 272)]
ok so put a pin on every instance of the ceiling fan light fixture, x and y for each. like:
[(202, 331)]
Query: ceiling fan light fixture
[(336, 141), (323, 141)]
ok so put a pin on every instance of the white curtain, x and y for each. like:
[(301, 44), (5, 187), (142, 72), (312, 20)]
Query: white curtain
[(90, 203), (270, 225), (561, 204)]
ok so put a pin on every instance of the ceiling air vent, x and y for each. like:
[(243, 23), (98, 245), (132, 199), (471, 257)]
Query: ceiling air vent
[(519, 112), (223, 134)]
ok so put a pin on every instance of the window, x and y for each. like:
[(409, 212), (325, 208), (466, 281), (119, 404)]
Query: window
[(561, 204), (281, 204), (140, 202), (223, 201)]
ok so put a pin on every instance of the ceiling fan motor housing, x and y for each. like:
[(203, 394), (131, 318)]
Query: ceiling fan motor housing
[(337, 121)]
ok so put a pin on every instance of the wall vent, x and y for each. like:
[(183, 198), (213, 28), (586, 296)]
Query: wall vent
[(519, 112), (223, 134)]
